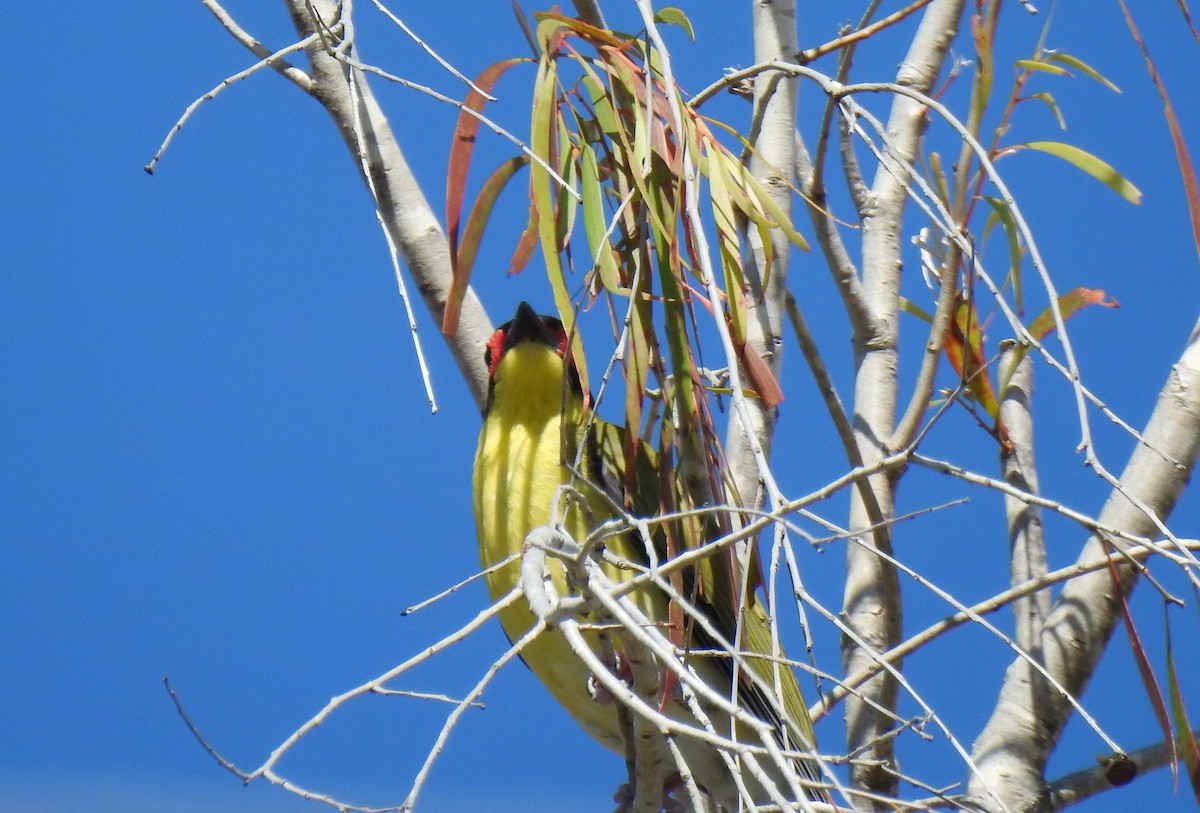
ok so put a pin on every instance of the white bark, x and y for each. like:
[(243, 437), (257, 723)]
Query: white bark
[(775, 98), (872, 593), (402, 206), (1014, 747), (1068, 636), (1027, 550)]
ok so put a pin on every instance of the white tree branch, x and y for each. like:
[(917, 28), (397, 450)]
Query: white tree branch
[(872, 605), (774, 26), (402, 205), (1027, 548), (1013, 749)]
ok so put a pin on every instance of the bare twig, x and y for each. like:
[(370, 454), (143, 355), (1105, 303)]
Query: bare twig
[(370, 686), (418, 236), (809, 54), (290, 72), (356, 84), (470, 700), (441, 594), (192, 727), (387, 12), (1075, 787), (271, 60)]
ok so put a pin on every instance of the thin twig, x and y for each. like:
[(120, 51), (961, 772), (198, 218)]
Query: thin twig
[(192, 727), (364, 159), (990, 605), (420, 605), (468, 701), (337, 702), (424, 46), (809, 54), (900, 679), (441, 97), (212, 94), (297, 76), (440, 698), (1006, 639)]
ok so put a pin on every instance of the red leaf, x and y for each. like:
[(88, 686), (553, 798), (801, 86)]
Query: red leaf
[(1153, 692), (1187, 170), (1069, 304), (461, 149), (964, 348), (526, 245), (761, 378)]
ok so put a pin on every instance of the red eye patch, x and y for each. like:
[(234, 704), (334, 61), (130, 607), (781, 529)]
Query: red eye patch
[(495, 350), (559, 333)]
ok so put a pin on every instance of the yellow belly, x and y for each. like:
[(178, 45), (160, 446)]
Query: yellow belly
[(517, 480)]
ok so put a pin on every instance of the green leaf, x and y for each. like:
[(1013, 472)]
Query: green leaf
[(549, 32), (564, 205), (939, 177), (601, 104), (730, 250), (675, 16), (1188, 747), (1004, 215), (1049, 101), (751, 184), (588, 32), (1090, 164), (641, 141), (778, 218), (1069, 304), (636, 363), (909, 307), (1081, 66), (720, 161), (595, 222), (1035, 65), (544, 125), (675, 330)]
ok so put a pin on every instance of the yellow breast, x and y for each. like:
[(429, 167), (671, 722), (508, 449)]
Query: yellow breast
[(518, 474)]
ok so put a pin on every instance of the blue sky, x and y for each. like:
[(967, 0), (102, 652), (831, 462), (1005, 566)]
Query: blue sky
[(217, 462)]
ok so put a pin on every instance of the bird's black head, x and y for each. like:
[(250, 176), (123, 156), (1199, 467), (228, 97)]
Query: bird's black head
[(528, 330), (526, 326)]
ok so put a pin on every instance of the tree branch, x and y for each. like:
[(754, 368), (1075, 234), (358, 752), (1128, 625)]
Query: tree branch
[(1083, 784), (401, 204), (1027, 547), (1016, 743), (872, 592), (298, 77), (766, 284)]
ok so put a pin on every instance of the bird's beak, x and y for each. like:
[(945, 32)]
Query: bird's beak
[(527, 326)]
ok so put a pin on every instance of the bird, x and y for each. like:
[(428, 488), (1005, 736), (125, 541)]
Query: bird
[(544, 457)]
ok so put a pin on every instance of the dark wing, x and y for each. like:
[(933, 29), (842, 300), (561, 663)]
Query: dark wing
[(713, 586)]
